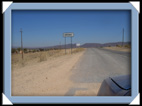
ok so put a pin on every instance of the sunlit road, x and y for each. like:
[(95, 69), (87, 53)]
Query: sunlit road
[(98, 64)]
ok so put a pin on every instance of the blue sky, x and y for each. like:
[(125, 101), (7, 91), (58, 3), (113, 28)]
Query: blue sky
[(46, 28)]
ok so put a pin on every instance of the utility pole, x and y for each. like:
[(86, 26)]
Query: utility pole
[(71, 45), (65, 45), (21, 43), (123, 38), (60, 45)]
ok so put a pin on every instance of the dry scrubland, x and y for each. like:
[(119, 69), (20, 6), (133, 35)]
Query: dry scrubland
[(125, 48), (48, 74), (32, 58)]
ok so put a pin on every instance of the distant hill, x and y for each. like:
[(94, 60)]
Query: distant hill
[(86, 45), (89, 45), (61, 46), (115, 43)]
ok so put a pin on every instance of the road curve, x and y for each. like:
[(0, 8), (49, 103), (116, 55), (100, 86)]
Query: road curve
[(98, 64)]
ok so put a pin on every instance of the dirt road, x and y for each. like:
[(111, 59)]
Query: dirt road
[(98, 64), (47, 78), (79, 74)]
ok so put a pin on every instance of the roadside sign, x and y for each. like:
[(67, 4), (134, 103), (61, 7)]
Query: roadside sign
[(78, 44), (68, 34)]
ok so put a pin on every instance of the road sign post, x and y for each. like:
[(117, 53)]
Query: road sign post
[(65, 45), (68, 35), (71, 45)]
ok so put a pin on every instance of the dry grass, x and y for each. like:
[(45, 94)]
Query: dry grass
[(125, 48), (48, 78), (78, 50), (42, 56), (31, 58)]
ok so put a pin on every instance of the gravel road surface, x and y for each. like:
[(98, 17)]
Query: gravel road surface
[(97, 64), (79, 74)]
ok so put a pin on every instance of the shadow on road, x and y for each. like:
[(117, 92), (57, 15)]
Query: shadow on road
[(72, 91)]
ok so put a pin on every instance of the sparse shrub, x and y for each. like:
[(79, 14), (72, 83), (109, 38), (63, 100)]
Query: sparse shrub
[(127, 46), (118, 46), (50, 52), (78, 50), (42, 57), (13, 50), (19, 49), (38, 50), (34, 51), (57, 53), (41, 49), (25, 50)]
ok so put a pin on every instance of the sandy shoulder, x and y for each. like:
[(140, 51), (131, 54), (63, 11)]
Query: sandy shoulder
[(47, 78)]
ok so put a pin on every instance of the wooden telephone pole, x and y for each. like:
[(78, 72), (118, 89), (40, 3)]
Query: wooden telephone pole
[(71, 45), (123, 38), (65, 45), (21, 43), (60, 46)]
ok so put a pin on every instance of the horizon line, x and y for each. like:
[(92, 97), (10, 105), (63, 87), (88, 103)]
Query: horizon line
[(70, 44)]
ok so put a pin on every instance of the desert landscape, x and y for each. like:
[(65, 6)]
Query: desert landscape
[(68, 53), (47, 74), (54, 73)]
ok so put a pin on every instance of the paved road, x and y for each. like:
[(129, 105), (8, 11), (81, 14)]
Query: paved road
[(98, 64)]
